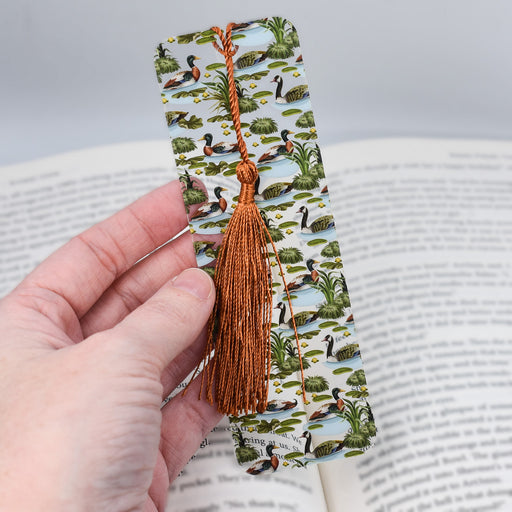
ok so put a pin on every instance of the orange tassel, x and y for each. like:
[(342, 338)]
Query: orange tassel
[(239, 329), (237, 357)]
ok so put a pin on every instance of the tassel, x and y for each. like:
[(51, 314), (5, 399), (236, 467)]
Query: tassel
[(239, 329), (237, 356)]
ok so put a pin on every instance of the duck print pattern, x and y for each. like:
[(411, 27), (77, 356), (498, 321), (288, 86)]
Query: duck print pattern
[(291, 192)]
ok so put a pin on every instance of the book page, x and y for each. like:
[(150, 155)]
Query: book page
[(213, 480), (45, 202), (426, 234)]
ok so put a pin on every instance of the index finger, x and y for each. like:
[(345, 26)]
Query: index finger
[(88, 264)]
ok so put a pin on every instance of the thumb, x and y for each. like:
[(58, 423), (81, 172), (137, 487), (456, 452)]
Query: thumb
[(167, 323)]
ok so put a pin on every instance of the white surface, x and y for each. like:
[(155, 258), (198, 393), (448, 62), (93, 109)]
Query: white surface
[(78, 74)]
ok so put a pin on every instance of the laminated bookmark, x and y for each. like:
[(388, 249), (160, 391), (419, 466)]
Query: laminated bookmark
[(282, 359)]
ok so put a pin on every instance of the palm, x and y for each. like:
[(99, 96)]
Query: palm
[(128, 447)]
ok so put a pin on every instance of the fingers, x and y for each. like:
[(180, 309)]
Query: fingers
[(181, 367), (186, 421), (138, 284), (161, 328), (87, 265)]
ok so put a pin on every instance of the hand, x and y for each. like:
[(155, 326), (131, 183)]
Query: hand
[(90, 343)]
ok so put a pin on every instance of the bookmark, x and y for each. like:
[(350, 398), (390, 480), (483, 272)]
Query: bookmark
[(281, 359)]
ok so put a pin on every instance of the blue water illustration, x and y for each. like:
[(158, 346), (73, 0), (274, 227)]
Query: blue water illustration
[(276, 200), (227, 157), (306, 296), (202, 259), (260, 66), (175, 129), (280, 168), (304, 104), (303, 328), (354, 362), (331, 426), (328, 234), (254, 36), (281, 415)]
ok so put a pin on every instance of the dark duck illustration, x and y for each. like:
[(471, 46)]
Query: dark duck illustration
[(323, 449), (205, 247), (330, 409), (304, 280), (321, 224), (279, 152), (184, 78), (302, 318), (297, 93), (279, 405), (221, 148), (214, 208), (175, 116), (250, 59), (343, 353), (272, 191), (265, 465)]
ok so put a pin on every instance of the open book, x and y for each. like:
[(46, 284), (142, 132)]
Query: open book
[(426, 233)]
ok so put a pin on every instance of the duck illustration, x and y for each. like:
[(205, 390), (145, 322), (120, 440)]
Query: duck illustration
[(297, 93), (249, 25), (323, 449), (175, 116), (279, 405), (304, 280), (212, 209), (184, 78), (342, 353), (302, 318), (250, 59), (221, 148), (299, 60), (265, 465), (330, 409), (279, 152), (349, 320), (321, 224), (272, 191), (205, 247)]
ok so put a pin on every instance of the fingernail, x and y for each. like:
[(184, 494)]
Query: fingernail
[(194, 281)]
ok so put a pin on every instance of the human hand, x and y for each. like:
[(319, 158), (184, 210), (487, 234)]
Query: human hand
[(90, 344)]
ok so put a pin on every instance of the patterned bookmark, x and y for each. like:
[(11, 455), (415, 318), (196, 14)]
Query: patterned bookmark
[(282, 359)]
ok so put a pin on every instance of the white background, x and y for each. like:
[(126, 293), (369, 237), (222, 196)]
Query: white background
[(75, 74)]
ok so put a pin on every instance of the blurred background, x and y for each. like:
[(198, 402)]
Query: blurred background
[(80, 74)]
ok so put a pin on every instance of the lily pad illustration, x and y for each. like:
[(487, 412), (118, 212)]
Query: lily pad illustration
[(316, 241), (191, 124), (276, 64), (292, 112), (339, 371), (262, 94), (215, 65)]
